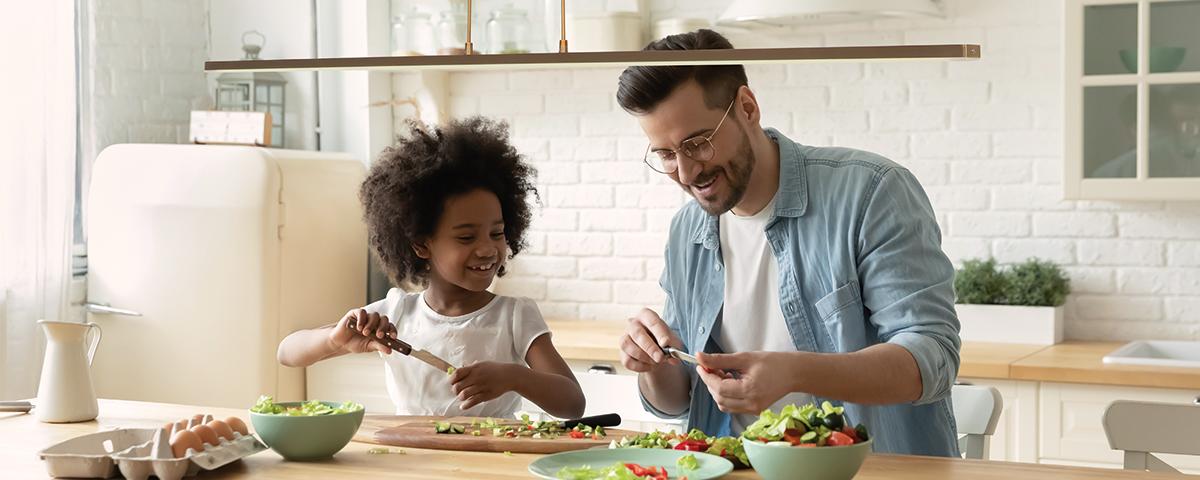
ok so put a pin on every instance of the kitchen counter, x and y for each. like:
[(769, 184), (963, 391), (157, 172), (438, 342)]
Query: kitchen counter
[(1070, 362), (22, 436)]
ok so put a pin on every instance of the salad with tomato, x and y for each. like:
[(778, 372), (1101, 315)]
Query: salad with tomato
[(807, 426), (694, 441), (619, 471)]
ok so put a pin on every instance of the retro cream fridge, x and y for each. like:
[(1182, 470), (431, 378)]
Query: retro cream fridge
[(201, 258)]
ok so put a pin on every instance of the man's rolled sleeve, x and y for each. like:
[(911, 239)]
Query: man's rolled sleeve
[(908, 282)]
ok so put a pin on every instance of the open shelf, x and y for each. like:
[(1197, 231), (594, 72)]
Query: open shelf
[(605, 59)]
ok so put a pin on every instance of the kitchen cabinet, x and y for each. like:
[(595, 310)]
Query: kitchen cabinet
[(1016, 434), (1071, 429), (1132, 100)]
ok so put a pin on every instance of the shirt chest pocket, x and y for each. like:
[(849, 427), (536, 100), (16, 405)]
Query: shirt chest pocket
[(842, 314)]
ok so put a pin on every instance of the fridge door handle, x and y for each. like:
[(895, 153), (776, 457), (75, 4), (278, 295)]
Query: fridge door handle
[(102, 309)]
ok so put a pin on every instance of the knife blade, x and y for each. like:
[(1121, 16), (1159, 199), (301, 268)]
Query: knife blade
[(680, 355), (403, 347)]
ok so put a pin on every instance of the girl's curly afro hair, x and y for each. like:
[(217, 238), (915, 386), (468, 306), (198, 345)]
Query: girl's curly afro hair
[(406, 190)]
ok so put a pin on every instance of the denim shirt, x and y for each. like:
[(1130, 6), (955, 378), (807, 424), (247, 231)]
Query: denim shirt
[(860, 263)]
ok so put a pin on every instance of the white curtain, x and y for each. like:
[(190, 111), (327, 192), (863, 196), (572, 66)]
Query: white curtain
[(37, 181)]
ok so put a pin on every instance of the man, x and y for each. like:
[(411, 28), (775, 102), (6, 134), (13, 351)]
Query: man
[(820, 267)]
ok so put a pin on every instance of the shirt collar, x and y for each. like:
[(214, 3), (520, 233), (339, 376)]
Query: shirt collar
[(791, 199)]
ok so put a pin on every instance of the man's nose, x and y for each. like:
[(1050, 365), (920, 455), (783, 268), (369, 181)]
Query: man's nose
[(688, 169)]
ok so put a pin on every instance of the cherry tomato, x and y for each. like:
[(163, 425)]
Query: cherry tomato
[(575, 434), (838, 439)]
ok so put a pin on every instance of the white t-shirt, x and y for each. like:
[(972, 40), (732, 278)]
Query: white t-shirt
[(501, 331), (752, 318)]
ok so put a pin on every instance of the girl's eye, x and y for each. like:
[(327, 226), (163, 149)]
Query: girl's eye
[(466, 239), (497, 234)]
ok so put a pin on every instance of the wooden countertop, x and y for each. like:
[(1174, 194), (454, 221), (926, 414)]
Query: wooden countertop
[(1070, 362), (22, 436)]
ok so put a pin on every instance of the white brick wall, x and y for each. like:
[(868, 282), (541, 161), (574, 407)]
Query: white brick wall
[(145, 70), (984, 137)]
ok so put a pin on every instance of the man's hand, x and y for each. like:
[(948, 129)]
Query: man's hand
[(641, 346), (762, 378)]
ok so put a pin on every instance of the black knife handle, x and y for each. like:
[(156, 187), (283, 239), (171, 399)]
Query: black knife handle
[(394, 343), (606, 420)]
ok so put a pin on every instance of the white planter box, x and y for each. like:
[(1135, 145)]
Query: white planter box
[(1010, 324)]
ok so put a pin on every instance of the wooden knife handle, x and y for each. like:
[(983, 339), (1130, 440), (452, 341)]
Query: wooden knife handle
[(394, 343), (606, 420)]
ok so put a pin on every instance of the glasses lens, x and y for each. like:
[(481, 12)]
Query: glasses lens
[(699, 149), (662, 161)]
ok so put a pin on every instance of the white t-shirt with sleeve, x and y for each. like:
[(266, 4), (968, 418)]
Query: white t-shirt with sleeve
[(501, 331), (752, 316)]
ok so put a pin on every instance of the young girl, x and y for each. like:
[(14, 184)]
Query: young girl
[(444, 210)]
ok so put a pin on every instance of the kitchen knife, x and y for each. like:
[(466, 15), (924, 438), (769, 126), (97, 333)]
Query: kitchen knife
[(605, 420), (681, 355), (398, 345)]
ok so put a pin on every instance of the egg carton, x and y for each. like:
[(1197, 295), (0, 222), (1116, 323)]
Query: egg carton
[(140, 453)]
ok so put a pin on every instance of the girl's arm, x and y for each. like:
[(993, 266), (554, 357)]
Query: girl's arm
[(306, 347), (549, 382)]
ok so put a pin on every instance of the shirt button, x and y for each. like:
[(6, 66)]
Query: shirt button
[(702, 330), (717, 266)]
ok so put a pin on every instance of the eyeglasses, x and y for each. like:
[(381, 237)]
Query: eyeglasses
[(698, 148)]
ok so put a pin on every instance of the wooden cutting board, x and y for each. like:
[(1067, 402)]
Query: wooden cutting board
[(418, 432)]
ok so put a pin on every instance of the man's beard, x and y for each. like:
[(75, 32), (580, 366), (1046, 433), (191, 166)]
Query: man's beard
[(737, 174)]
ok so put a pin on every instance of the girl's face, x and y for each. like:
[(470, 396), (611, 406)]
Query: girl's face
[(468, 246)]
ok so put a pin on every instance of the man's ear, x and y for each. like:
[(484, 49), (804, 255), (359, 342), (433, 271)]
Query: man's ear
[(746, 106)]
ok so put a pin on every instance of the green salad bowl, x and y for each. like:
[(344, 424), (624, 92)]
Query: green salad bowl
[(780, 462), (306, 437)]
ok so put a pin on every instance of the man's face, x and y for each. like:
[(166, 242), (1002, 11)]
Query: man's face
[(719, 183)]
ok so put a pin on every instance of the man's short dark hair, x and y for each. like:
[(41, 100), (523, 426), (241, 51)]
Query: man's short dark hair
[(641, 88)]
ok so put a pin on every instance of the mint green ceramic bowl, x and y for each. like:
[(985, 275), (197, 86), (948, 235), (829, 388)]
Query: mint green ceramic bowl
[(1162, 59), (306, 438), (780, 462)]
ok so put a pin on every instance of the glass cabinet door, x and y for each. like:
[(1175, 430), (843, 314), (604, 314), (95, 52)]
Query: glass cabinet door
[(1132, 99)]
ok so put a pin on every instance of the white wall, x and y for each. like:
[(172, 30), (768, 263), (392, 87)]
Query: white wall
[(144, 65), (984, 137)]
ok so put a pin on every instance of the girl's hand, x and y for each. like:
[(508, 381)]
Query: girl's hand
[(370, 329), (483, 381)]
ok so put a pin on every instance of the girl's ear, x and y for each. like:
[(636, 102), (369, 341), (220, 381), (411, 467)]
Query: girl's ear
[(422, 249)]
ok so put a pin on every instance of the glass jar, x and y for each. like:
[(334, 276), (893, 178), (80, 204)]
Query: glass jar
[(421, 39), (399, 38), (508, 31), (452, 32)]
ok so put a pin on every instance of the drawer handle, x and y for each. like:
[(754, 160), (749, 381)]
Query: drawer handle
[(604, 369), (1196, 401)]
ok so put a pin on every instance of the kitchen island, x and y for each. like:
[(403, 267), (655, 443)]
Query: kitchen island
[(22, 436)]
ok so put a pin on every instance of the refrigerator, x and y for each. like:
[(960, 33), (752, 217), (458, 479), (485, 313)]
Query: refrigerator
[(201, 258)]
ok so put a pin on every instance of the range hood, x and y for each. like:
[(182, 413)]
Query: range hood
[(786, 13)]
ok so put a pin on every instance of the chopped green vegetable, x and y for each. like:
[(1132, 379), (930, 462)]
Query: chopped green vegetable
[(728, 447), (380, 451), (450, 370), (688, 462), (617, 471), (508, 453), (266, 405)]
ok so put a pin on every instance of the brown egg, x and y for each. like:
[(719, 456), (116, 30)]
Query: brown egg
[(183, 440), (237, 425), (197, 420), (221, 428), (207, 434)]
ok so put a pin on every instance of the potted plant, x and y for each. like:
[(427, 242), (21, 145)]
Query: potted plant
[(1018, 304)]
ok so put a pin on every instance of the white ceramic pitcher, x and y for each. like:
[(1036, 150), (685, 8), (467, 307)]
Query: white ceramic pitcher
[(65, 393)]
